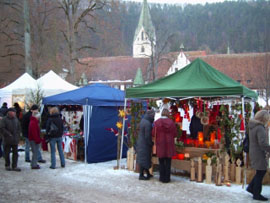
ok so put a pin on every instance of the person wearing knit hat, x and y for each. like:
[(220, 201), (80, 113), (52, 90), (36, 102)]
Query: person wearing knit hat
[(25, 130), (10, 129)]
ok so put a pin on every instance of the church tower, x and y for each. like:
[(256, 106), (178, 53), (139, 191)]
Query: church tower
[(145, 37)]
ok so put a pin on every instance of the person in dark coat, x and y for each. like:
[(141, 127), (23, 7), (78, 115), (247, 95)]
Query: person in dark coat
[(11, 129), (144, 144), (3, 109), (18, 111), (34, 138), (164, 132), (3, 112), (25, 126), (195, 125), (55, 137), (258, 147)]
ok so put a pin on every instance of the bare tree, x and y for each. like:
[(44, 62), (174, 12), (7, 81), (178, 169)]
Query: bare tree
[(76, 12), (264, 78)]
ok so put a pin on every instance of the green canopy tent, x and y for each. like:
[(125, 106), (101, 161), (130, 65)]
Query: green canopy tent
[(198, 79)]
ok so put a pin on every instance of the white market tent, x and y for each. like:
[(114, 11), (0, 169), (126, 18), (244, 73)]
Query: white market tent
[(21, 86), (52, 84)]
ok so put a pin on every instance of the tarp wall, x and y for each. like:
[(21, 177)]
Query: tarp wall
[(102, 144)]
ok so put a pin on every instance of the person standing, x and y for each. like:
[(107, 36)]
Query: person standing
[(25, 127), (3, 112), (34, 138), (3, 109), (258, 147), (11, 129), (144, 144), (165, 131), (55, 137)]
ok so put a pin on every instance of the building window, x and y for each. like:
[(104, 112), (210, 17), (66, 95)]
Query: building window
[(260, 93), (239, 81), (142, 49), (142, 35), (176, 69), (248, 81)]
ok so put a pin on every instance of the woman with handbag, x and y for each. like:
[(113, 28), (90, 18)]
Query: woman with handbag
[(54, 129), (165, 132)]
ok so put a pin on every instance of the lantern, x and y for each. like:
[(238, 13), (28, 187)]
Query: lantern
[(213, 137), (200, 138)]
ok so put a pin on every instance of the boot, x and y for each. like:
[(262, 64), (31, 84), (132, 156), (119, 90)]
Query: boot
[(260, 198), (142, 177)]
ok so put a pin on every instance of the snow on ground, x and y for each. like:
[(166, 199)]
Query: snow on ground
[(80, 182)]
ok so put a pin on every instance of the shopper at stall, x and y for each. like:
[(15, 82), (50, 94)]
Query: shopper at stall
[(195, 125), (34, 138), (258, 147), (164, 132), (54, 129), (25, 127), (144, 144), (10, 129)]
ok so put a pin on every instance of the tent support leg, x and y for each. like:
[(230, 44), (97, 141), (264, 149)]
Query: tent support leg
[(123, 130), (245, 154)]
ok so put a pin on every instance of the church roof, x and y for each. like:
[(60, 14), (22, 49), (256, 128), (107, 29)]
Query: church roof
[(145, 22), (138, 78)]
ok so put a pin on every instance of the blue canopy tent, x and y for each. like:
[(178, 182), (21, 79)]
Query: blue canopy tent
[(100, 109)]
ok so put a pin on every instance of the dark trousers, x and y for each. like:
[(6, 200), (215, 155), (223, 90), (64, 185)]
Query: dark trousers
[(165, 169), (7, 149), (256, 184)]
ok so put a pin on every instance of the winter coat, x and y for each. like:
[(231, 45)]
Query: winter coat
[(34, 130), (144, 143), (195, 126), (10, 129), (258, 145), (3, 111), (56, 119), (25, 123), (165, 131)]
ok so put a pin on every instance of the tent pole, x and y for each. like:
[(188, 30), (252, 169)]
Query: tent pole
[(123, 130), (244, 153)]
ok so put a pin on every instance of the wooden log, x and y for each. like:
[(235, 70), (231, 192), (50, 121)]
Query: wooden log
[(226, 168), (192, 170), (199, 179), (218, 173), (238, 172), (208, 172), (232, 171)]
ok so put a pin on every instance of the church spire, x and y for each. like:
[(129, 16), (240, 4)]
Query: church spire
[(145, 36)]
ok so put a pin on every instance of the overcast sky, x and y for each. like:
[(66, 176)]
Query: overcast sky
[(179, 1)]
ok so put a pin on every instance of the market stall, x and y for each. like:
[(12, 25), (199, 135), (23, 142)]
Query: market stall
[(198, 83), (18, 90), (100, 111)]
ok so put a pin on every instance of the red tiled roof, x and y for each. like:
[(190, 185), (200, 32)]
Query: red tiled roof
[(246, 68), (111, 68)]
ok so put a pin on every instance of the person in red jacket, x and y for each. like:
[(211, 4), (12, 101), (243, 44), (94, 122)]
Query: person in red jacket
[(165, 131), (34, 138)]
